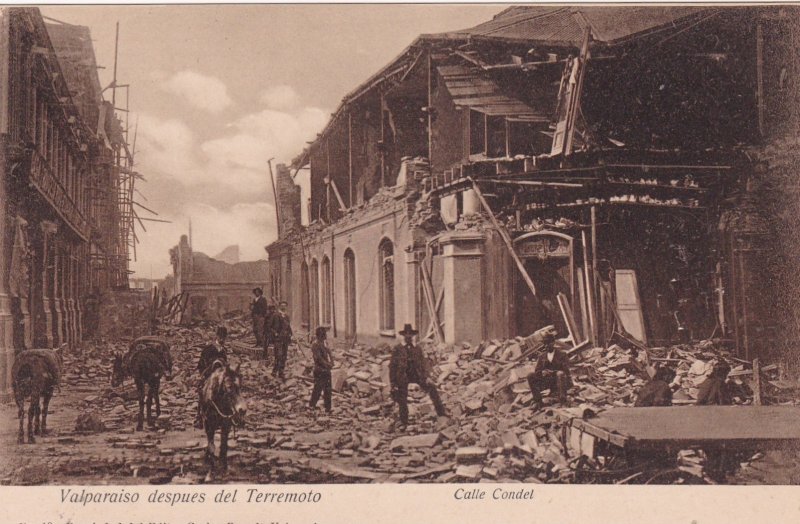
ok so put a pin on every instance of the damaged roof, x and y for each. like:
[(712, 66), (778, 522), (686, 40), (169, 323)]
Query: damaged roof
[(207, 269), (75, 53), (567, 25), (469, 88), (557, 26)]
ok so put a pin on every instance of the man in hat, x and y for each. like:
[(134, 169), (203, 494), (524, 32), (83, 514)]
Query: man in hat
[(323, 363), (715, 390), (407, 366), (552, 372), (282, 336), (258, 310)]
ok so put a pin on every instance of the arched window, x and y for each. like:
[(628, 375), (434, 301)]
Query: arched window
[(386, 259), (326, 291), (304, 298), (314, 285), (350, 293)]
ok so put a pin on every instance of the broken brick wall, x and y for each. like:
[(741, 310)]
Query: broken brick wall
[(289, 199), (120, 315)]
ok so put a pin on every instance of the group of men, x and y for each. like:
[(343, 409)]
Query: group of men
[(409, 366), (272, 327), (406, 366)]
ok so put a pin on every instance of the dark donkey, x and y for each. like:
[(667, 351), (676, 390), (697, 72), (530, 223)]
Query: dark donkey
[(221, 408), (147, 360), (35, 375)]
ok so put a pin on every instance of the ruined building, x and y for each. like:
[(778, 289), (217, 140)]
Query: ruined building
[(594, 168), (63, 230), (213, 287)]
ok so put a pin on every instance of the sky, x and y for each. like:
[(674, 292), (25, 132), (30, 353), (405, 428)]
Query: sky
[(218, 90)]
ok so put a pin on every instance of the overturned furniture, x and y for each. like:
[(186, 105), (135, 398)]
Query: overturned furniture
[(658, 433)]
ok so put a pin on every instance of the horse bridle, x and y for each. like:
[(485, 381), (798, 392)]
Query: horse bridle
[(232, 417)]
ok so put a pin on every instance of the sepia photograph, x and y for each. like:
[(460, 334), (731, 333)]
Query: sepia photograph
[(315, 244)]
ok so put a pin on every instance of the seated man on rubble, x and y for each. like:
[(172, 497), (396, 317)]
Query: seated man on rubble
[(210, 354), (552, 372), (714, 390), (657, 392)]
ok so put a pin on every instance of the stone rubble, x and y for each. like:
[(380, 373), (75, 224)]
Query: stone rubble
[(492, 432)]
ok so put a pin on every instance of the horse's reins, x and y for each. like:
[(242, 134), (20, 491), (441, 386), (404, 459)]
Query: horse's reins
[(232, 416)]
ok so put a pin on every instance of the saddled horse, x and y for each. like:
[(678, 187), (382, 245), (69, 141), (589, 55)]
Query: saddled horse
[(35, 375), (221, 408), (147, 360)]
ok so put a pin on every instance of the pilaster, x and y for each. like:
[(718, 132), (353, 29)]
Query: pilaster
[(462, 253)]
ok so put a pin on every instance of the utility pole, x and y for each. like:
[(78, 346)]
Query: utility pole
[(114, 81), (275, 194)]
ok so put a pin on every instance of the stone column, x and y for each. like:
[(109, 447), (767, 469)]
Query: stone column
[(69, 292), (58, 293), (48, 230), (413, 287), (463, 286), (78, 291), (6, 318)]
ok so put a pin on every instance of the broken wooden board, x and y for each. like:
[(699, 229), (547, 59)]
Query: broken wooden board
[(684, 426)]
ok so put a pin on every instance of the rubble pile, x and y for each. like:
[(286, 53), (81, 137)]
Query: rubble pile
[(492, 432)]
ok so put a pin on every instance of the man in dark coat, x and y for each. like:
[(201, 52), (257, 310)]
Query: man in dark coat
[(552, 372), (210, 354), (657, 392), (323, 363), (714, 390), (258, 310), (407, 366), (268, 335), (282, 333)]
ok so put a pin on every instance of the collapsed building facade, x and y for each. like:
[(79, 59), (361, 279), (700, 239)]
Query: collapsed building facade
[(208, 288), (64, 170), (593, 168)]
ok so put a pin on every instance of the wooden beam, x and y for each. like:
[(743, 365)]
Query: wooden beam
[(505, 236), (350, 154), (757, 382), (332, 184), (760, 76), (427, 288)]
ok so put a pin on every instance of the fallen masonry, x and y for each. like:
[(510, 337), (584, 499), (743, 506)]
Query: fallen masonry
[(493, 432)]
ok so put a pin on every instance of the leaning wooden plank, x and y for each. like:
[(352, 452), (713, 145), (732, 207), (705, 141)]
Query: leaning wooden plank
[(428, 291), (569, 319), (506, 238), (756, 382)]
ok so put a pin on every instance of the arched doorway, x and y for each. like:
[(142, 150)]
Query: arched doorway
[(386, 260), (548, 259), (350, 293), (305, 313), (314, 294), (325, 299)]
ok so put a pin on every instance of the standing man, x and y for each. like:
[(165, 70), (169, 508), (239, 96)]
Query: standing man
[(323, 363), (282, 331), (552, 372), (407, 366), (258, 310), (269, 336)]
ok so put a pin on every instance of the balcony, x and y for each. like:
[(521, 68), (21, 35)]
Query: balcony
[(43, 179)]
